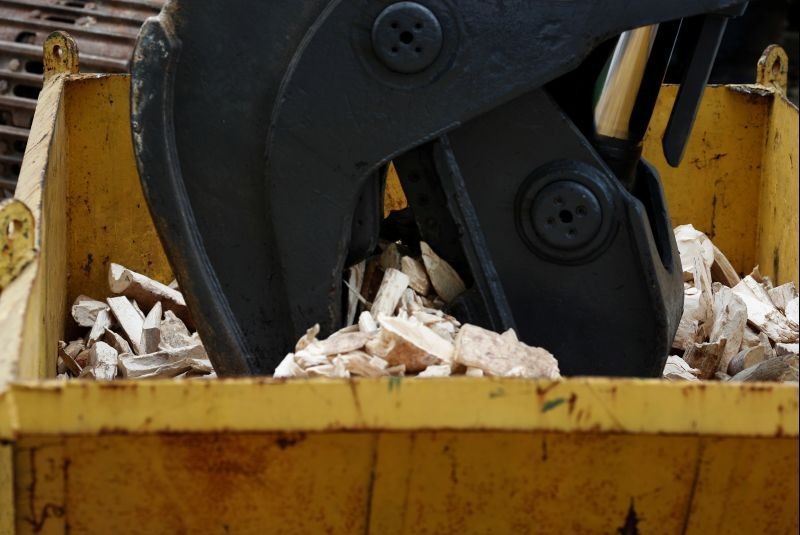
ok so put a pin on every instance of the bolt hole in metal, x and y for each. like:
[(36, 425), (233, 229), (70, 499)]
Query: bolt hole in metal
[(776, 67), (57, 52), (565, 215), (406, 37), (14, 227)]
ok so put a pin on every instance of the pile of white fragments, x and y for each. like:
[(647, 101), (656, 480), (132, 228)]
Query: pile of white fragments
[(732, 329), (395, 326), (137, 333)]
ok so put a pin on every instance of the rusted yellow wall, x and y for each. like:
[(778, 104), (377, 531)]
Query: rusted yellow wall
[(777, 238), (42, 187), (415, 483), (716, 188), (383, 456), (738, 180), (108, 218), (7, 503)]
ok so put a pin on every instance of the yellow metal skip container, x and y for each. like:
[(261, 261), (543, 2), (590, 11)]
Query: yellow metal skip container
[(453, 455)]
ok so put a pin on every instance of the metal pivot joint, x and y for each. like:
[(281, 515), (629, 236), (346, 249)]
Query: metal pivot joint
[(407, 37), (566, 214), (564, 211)]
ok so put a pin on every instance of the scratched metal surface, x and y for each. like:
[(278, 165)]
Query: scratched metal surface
[(405, 482), (451, 455)]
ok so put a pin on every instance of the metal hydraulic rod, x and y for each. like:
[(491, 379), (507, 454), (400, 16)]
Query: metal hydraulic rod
[(612, 115)]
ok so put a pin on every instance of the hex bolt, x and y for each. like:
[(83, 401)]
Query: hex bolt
[(407, 37)]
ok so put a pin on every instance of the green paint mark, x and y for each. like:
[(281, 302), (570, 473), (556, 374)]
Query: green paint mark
[(496, 393), (552, 404), (394, 382)]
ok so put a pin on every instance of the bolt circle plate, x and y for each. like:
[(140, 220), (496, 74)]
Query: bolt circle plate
[(565, 212), (407, 37)]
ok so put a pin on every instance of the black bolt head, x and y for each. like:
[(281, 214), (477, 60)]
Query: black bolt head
[(407, 37), (566, 214)]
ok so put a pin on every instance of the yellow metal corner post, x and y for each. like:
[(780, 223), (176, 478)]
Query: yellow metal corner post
[(777, 224), (28, 336), (777, 243)]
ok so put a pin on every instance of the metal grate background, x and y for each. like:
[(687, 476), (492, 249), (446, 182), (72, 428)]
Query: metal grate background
[(105, 32)]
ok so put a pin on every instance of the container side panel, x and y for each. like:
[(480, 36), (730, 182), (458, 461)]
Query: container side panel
[(391, 488), (52, 280), (219, 483), (40, 472), (108, 218), (416, 482), (746, 486), (778, 222), (580, 405), (6, 488), (15, 301), (484, 482), (716, 187), (42, 186)]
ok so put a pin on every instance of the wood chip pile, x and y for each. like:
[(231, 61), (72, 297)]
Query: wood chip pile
[(732, 328), (139, 332), (396, 327)]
